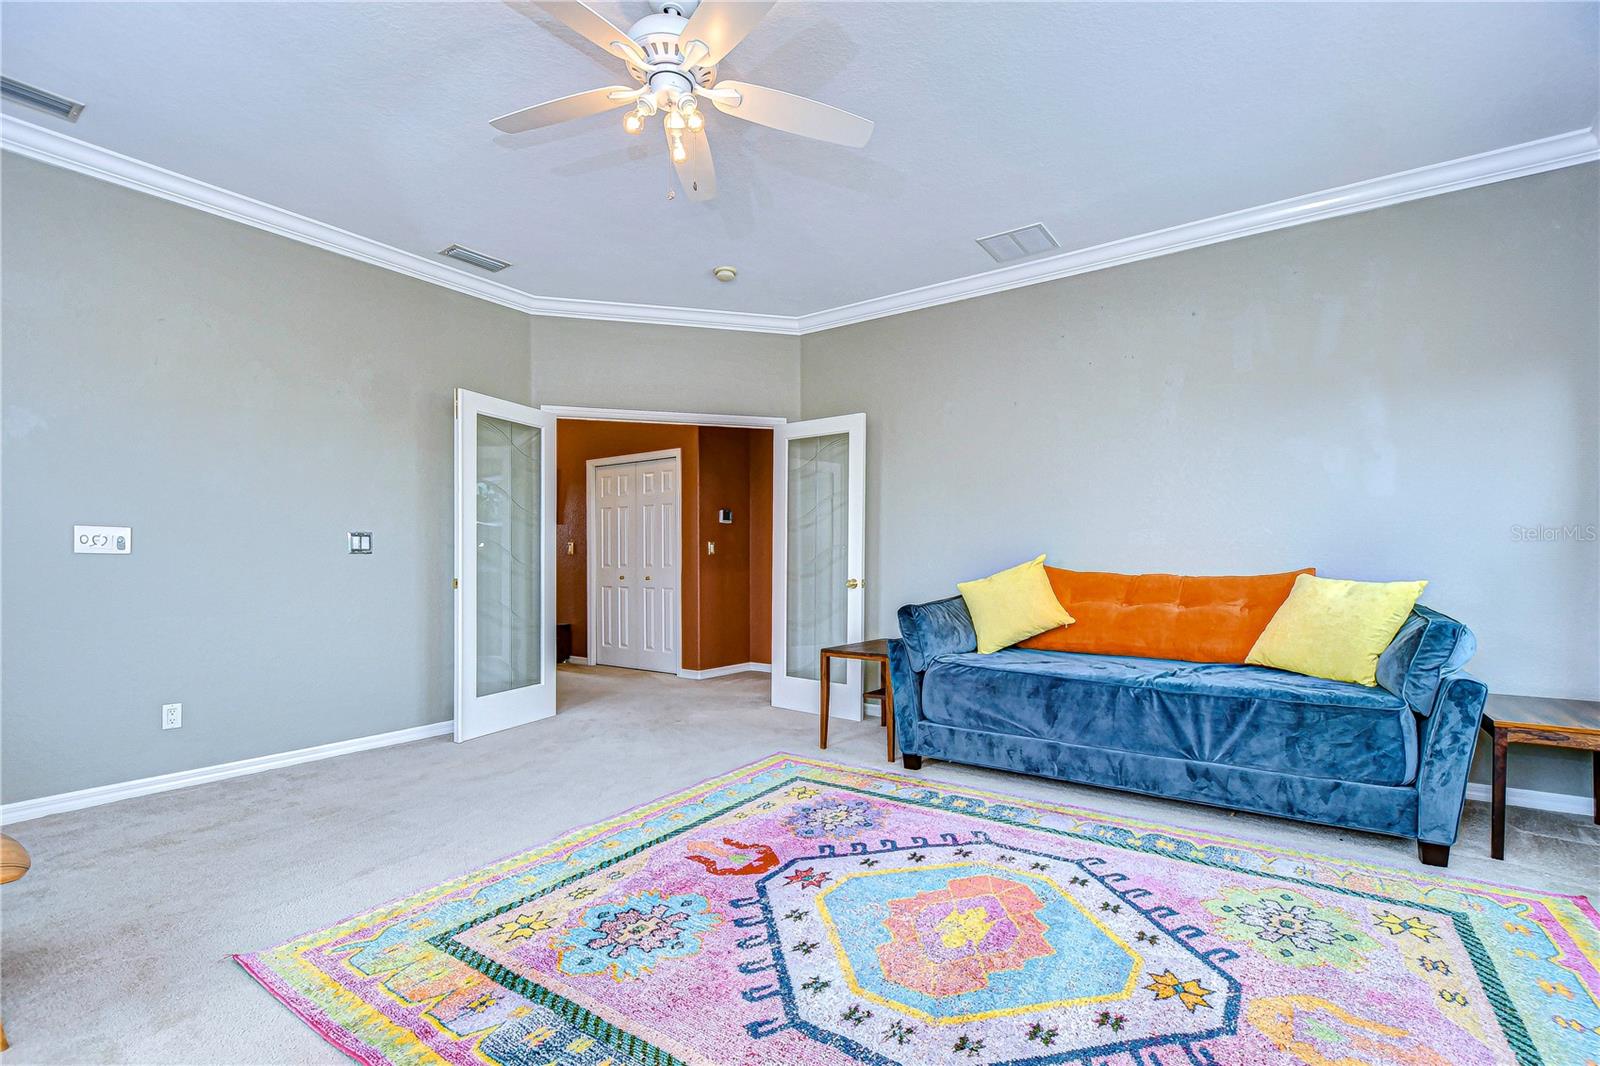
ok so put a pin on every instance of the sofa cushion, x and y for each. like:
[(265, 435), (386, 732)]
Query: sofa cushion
[(1429, 646), (1336, 629), (1243, 716), (1164, 616), (934, 629), (1012, 605)]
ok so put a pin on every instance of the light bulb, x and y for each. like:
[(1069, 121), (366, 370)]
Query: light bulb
[(696, 122), (678, 153), (632, 123), (674, 121)]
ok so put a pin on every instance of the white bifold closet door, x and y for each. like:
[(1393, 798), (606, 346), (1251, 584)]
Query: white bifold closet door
[(819, 496), (636, 560)]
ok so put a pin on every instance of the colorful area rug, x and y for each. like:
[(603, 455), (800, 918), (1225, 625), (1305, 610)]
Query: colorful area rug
[(803, 913)]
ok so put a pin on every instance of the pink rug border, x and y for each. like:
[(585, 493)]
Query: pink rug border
[(307, 1012)]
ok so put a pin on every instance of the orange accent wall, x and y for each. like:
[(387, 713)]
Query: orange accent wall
[(760, 531), (722, 594)]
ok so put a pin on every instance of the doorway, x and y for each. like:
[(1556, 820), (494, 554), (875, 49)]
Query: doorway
[(771, 595), (635, 561)]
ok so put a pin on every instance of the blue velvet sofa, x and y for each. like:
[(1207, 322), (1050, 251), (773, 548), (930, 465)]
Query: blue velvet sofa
[(1391, 759)]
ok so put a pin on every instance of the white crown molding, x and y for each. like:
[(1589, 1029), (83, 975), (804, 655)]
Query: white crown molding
[(1501, 164), (1520, 160), (23, 810), (69, 153)]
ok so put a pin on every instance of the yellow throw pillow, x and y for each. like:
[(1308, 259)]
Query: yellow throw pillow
[(1013, 605), (1335, 629)]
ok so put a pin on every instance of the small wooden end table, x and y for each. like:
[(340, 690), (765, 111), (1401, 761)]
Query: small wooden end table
[(872, 651), (14, 862), (1536, 720)]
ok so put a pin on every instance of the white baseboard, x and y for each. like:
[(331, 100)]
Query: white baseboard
[(724, 671), (23, 810), (580, 660), (1560, 802)]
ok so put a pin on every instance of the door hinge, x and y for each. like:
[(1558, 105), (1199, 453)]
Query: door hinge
[(455, 582)]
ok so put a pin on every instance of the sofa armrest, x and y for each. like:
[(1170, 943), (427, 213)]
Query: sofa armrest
[(1429, 648), (1449, 737), (907, 697), (942, 627)]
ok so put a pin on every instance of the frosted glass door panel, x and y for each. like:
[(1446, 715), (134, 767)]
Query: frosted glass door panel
[(508, 551), (819, 509), (818, 555), (505, 505)]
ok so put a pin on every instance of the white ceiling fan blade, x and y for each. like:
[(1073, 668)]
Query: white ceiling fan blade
[(586, 21), (790, 113), (697, 174), (721, 24), (578, 105)]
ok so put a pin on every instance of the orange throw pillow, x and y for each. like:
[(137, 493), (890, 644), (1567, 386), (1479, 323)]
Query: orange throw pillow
[(1164, 616)]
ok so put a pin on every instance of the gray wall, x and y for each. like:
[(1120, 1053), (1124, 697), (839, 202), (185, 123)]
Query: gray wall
[(243, 401), (664, 368), (1382, 396)]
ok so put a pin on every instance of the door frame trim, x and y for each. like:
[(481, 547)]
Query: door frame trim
[(591, 562), (622, 414)]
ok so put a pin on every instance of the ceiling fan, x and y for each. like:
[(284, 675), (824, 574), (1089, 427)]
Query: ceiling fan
[(673, 55)]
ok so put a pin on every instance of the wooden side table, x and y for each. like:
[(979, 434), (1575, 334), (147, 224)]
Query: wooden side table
[(14, 862), (1536, 720), (872, 651)]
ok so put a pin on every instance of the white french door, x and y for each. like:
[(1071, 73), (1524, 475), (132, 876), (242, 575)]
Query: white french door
[(819, 496), (505, 513), (634, 555)]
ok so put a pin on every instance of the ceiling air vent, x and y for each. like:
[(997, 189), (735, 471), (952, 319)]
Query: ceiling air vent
[(477, 259), (1019, 243), (59, 106)]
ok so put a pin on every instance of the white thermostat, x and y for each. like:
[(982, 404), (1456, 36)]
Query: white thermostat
[(102, 540)]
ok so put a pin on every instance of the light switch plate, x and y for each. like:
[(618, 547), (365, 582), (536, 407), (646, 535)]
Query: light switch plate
[(102, 540), (361, 543)]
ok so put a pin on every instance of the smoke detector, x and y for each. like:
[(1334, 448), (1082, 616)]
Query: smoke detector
[(724, 273)]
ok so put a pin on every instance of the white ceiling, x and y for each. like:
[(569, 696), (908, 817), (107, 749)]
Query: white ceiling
[(1101, 120)]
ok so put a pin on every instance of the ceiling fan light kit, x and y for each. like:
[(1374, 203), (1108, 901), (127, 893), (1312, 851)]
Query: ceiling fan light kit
[(673, 55)]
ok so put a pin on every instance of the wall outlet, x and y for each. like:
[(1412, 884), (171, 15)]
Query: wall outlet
[(172, 716)]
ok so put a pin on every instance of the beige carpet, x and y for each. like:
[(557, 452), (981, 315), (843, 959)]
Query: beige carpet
[(115, 946)]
